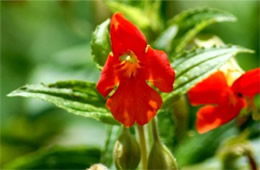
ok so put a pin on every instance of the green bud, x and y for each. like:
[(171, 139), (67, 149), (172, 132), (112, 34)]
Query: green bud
[(126, 151), (161, 158)]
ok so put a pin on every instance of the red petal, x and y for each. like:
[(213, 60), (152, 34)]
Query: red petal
[(210, 117), (248, 84), (134, 101), (209, 91), (159, 70), (109, 77), (207, 119), (125, 36)]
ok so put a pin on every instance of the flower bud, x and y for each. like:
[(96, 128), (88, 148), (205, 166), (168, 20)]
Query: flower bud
[(126, 151), (161, 158)]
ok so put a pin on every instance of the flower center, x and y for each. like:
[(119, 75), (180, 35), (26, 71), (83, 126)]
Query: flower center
[(129, 57), (129, 64)]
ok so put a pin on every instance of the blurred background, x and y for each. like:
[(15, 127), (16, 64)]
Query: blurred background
[(46, 41)]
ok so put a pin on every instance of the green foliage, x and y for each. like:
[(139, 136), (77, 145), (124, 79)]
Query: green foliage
[(146, 15), (185, 26), (112, 136), (100, 43), (77, 97), (233, 149), (198, 147), (34, 132), (133, 13), (58, 158), (166, 127), (215, 163), (194, 65)]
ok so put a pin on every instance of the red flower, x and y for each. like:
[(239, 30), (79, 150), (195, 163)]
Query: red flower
[(224, 102), (131, 64)]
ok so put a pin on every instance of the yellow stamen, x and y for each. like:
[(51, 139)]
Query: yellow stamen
[(129, 64), (147, 48)]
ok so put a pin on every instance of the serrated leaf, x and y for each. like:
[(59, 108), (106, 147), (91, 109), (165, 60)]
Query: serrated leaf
[(77, 97), (185, 26), (100, 43), (58, 158), (192, 66)]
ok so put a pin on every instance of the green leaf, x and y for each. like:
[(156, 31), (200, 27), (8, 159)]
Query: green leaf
[(166, 127), (199, 147), (111, 137), (165, 39), (77, 97), (100, 43), (194, 65), (215, 163), (185, 26), (58, 158)]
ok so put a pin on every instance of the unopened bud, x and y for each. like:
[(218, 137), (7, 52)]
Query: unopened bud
[(126, 151), (161, 158)]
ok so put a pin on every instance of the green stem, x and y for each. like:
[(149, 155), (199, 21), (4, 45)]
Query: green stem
[(180, 116), (155, 130), (142, 146), (150, 135)]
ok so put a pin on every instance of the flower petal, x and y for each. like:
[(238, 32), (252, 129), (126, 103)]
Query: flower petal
[(109, 77), (134, 101), (207, 119), (125, 36), (209, 91), (210, 117), (159, 70), (248, 84)]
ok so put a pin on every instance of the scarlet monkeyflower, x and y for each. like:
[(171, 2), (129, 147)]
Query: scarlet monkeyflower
[(224, 102), (130, 64)]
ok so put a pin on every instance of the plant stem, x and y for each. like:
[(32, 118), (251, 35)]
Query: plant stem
[(251, 161), (180, 116), (149, 139), (155, 130), (142, 146)]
